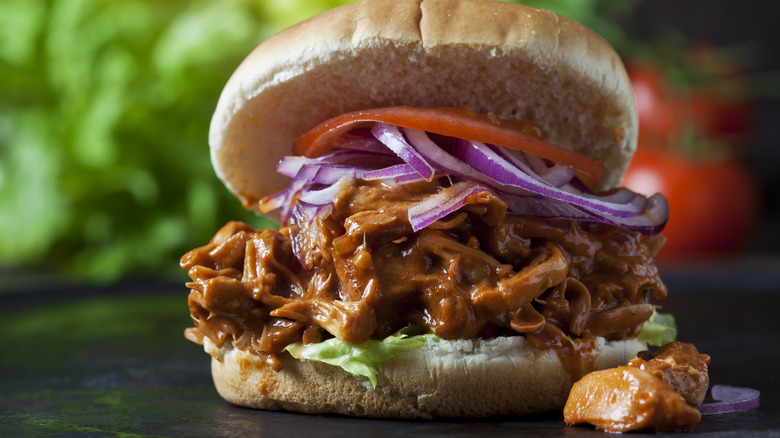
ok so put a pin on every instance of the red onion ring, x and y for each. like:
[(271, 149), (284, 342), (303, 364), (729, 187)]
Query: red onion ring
[(731, 399)]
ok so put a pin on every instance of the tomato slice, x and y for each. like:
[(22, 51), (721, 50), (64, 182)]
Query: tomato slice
[(462, 123)]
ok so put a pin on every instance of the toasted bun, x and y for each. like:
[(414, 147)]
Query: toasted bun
[(511, 60), (465, 378)]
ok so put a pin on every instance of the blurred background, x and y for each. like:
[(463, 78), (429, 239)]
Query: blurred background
[(105, 106)]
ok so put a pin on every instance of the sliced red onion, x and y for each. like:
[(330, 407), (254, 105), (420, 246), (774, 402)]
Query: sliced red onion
[(391, 137), (731, 399), (362, 159), (283, 200), (536, 166), (409, 178), (310, 174), (446, 163), (392, 172), (362, 140), (564, 177), (441, 204), (332, 174), (555, 175), (291, 166), (303, 214), (651, 222), (527, 183), (326, 195), (634, 211), (487, 162), (275, 201)]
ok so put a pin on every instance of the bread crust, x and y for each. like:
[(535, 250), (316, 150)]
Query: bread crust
[(508, 59), (462, 378)]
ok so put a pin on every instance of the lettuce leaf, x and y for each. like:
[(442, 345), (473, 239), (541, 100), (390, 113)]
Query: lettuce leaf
[(659, 329), (361, 360)]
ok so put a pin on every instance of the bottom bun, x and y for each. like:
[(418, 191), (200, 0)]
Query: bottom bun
[(461, 378)]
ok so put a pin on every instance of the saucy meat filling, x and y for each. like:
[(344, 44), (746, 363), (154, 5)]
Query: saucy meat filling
[(361, 272), (654, 392)]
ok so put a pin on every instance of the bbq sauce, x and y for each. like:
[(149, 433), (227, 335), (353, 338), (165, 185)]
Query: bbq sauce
[(361, 273)]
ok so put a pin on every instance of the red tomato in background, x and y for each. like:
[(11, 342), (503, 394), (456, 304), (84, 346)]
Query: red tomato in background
[(719, 118), (713, 202), (653, 101), (713, 206), (719, 112), (722, 105)]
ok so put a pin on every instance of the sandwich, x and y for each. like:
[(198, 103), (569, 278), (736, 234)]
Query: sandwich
[(453, 239)]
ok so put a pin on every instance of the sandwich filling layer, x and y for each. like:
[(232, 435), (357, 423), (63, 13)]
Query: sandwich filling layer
[(360, 271)]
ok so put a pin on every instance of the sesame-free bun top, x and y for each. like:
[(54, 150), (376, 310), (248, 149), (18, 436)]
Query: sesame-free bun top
[(512, 60)]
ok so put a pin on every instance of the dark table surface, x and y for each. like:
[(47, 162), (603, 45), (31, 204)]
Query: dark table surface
[(112, 361)]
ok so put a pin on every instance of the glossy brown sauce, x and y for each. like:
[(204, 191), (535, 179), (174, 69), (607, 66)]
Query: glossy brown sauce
[(361, 273), (679, 365), (654, 392)]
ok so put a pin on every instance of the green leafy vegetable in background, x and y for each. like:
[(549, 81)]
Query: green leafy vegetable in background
[(104, 164), (660, 329), (361, 360)]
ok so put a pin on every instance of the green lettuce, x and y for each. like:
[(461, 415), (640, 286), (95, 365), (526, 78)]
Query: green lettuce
[(659, 329), (361, 360)]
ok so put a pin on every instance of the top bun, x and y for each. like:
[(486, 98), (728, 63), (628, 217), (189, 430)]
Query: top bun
[(514, 61)]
